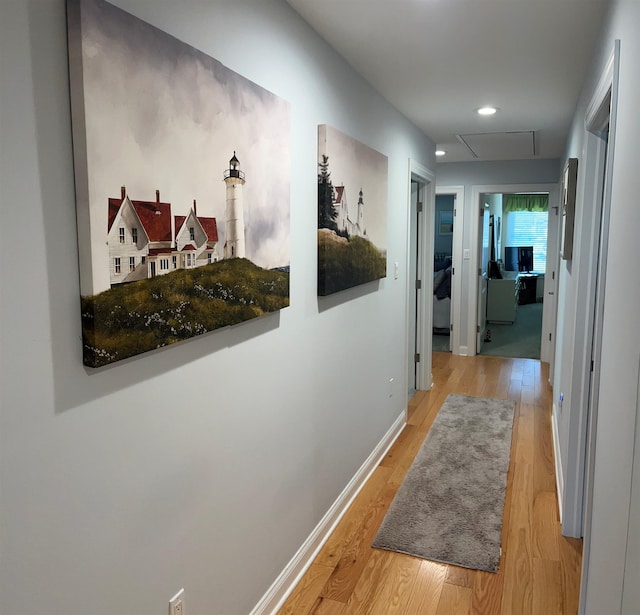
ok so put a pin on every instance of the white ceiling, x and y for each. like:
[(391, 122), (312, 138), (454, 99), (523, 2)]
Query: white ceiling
[(437, 61)]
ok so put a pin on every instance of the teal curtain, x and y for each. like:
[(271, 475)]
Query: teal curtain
[(525, 202)]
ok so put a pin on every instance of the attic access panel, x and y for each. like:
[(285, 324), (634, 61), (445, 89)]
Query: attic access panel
[(500, 145)]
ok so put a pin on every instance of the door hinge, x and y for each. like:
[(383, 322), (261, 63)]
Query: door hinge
[(416, 358), (418, 284), (553, 275), (455, 212), (549, 336), (480, 271), (419, 207), (592, 364), (482, 212), (453, 271), (450, 327), (478, 329)]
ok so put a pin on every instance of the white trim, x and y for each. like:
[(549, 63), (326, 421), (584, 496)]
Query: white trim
[(585, 263), (597, 116), (630, 590), (602, 111), (286, 581), (556, 458), (456, 253), (425, 256)]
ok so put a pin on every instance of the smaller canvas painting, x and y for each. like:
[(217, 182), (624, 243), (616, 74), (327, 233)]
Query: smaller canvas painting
[(352, 212)]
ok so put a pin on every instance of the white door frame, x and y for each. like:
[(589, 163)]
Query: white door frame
[(598, 155), (415, 223), (550, 282), (424, 314), (482, 277), (456, 254)]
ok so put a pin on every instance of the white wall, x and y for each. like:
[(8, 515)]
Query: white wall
[(621, 336), (116, 492), (470, 174)]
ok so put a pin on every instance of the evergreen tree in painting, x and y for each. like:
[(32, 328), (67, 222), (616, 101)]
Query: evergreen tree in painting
[(326, 210)]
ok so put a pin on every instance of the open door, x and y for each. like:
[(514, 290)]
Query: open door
[(421, 199), (442, 271), (414, 293), (483, 260)]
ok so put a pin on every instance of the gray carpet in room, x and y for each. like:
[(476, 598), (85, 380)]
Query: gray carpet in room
[(520, 339), (450, 505), (440, 343)]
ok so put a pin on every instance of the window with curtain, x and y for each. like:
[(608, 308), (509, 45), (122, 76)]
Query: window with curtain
[(525, 221)]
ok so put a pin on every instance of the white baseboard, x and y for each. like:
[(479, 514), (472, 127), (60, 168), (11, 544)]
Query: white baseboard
[(556, 457), (464, 351), (293, 571)]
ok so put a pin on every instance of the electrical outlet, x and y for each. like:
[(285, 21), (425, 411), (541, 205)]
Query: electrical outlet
[(176, 604)]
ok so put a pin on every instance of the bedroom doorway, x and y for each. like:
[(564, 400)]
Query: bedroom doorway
[(520, 272), (445, 268), (442, 268), (420, 231), (514, 263)]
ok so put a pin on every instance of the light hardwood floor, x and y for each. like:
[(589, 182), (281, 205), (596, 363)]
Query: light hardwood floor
[(539, 569)]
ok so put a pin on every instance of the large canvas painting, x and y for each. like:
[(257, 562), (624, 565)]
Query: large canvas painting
[(182, 187), (352, 212)]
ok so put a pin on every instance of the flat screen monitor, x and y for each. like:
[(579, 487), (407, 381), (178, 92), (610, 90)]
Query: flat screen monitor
[(511, 259), (525, 258), (518, 258)]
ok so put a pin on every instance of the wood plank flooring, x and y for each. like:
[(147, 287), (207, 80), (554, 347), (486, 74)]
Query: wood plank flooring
[(539, 570)]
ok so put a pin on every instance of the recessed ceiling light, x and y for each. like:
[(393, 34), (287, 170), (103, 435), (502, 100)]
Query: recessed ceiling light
[(487, 110), (440, 152)]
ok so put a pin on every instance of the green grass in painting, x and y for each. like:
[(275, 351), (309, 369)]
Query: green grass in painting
[(345, 263), (134, 318)]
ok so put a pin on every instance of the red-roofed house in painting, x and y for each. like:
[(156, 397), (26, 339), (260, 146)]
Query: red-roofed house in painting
[(144, 240)]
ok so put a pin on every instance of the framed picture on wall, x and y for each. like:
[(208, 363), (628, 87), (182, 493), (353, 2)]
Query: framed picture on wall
[(445, 223), (569, 181), (183, 216), (352, 212)]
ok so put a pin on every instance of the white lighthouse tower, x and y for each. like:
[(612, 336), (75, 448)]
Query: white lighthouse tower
[(360, 223), (234, 227)]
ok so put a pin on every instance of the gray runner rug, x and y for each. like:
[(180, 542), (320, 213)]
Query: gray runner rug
[(449, 507)]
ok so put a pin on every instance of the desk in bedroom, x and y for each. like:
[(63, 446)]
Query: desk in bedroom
[(504, 295), (502, 298)]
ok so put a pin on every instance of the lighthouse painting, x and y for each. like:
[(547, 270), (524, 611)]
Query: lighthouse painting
[(182, 187), (352, 212)]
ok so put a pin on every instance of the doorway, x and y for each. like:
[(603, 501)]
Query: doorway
[(513, 267), (502, 288), (446, 268), (442, 272), (415, 211), (600, 121), (419, 283)]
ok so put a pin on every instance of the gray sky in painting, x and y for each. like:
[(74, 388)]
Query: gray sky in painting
[(359, 167), (162, 115)]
